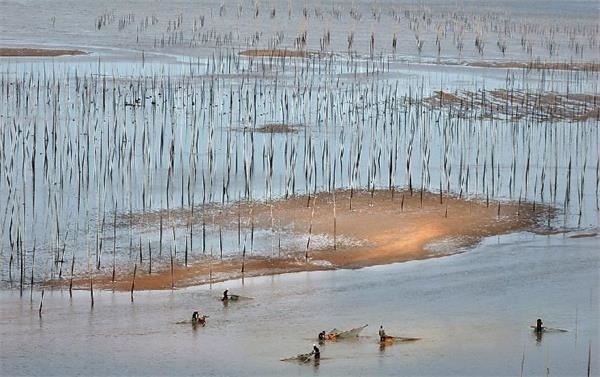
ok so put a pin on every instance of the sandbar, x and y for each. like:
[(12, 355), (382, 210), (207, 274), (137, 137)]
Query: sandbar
[(36, 52), (366, 228)]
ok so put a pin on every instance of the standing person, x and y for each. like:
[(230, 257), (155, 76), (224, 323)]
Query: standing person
[(316, 351), (539, 326), (381, 334), (225, 295), (322, 336)]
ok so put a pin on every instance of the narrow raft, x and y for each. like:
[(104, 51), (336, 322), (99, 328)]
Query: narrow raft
[(548, 329), (389, 339)]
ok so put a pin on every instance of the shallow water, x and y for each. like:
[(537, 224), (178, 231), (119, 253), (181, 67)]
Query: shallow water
[(472, 311)]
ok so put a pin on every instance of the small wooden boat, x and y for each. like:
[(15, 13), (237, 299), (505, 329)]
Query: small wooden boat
[(197, 319), (235, 298), (389, 339), (548, 329), (230, 298), (200, 320), (336, 334), (303, 357)]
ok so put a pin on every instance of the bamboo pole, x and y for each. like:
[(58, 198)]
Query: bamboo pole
[(133, 281)]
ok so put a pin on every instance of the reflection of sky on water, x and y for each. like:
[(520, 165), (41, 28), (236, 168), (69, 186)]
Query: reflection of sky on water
[(472, 311)]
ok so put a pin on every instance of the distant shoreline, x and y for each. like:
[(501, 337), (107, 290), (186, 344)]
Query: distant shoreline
[(386, 227)]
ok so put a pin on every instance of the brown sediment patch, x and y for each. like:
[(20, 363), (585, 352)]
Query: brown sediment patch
[(36, 52), (277, 53), (442, 98), (566, 66), (383, 226), (275, 128), (517, 104)]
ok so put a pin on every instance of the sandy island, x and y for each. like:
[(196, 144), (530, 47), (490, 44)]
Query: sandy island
[(383, 226), (36, 52)]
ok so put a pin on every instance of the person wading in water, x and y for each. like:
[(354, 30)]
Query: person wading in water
[(539, 326), (316, 351), (382, 335)]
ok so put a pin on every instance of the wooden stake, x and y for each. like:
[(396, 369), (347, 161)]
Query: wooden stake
[(133, 281)]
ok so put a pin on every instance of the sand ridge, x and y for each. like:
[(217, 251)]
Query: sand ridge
[(37, 52)]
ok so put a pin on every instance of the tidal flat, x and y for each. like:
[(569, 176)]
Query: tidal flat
[(433, 168)]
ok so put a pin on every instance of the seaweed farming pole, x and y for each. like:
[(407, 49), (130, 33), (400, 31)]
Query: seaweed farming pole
[(172, 269), (133, 281), (89, 268), (268, 155), (41, 304), (355, 167), (32, 265), (308, 166), (71, 277), (312, 215), (248, 164), (568, 186), (409, 155), (581, 185), (290, 166), (244, 257), (598, 182), (20, 254), (589, 366)]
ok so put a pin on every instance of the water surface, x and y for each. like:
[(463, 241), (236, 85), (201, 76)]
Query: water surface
[(472, 311)]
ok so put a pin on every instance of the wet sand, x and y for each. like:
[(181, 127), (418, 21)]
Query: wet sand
[(36, 52), (517, 104), (277, 53), (369, 229)]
